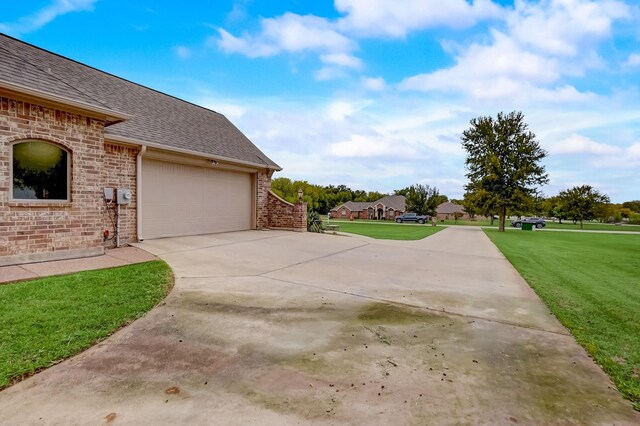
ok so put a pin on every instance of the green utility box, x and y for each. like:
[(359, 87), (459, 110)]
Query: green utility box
[(527, 226)]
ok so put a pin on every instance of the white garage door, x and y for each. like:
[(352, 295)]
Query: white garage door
[(179, 199)]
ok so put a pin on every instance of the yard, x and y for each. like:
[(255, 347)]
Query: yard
[(388, 231), (568, 225), (591, 282), (50, 319)]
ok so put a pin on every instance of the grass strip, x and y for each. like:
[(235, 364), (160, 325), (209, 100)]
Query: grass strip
[(389, 231), (47, 320), (591, 282)]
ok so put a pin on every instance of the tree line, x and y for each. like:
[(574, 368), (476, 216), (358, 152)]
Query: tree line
[(505, 172), (421, 199)]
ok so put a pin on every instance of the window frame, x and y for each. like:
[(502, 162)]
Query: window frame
[(39, 200)]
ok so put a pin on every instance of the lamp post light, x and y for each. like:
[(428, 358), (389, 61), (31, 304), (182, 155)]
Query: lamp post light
[(300, 193)]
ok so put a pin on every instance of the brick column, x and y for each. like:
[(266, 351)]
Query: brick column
[(300, 217), (263, 183)]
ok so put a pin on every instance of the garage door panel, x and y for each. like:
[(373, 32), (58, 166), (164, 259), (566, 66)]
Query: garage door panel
[(179, 199)]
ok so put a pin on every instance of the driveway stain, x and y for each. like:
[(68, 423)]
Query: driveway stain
[(312, 347)]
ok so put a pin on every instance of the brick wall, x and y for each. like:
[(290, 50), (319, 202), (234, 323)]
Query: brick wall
[(119, 171), (27, 227), (284, 215), (262, 201)]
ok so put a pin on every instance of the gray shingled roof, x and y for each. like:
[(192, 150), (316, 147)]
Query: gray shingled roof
[(396, 202), (449, 208), (157, 117)]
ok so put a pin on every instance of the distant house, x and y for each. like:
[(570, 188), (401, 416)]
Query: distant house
[(386, 208), (448, 210)]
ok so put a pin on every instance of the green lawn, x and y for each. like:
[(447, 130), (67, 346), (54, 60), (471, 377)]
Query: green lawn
[(46, 320), (388, 231), (468, 222), (591, 282), (588, 226), (594, 226)]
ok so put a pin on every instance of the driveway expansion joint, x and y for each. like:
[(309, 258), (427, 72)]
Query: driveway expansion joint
[(221, 245)]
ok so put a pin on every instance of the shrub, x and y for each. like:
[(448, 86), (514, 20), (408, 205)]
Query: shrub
[(314, 223)]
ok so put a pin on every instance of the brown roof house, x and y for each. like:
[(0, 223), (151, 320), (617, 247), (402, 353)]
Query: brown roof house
[(449, 210), (90, 160), (386, 208)]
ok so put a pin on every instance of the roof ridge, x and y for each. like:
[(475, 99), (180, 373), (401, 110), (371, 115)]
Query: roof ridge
[(103, 72)]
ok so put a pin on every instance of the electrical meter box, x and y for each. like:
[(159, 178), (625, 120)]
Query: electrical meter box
[(108, 195), (123, 196)]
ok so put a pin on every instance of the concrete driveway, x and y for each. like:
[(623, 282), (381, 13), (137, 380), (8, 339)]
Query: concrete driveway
[(288, 328)]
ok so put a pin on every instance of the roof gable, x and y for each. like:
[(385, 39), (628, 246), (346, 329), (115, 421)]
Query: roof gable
[(157, 117), (449, 208)]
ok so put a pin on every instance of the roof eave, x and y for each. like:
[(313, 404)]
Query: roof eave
[(110, 115), (138, 142)]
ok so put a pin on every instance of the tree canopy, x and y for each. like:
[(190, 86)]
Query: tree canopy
[(582, 202), (503, 162), (320, 198), (422, 199)]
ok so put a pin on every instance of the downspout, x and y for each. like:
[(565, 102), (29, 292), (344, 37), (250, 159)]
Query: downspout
[(143, 149)]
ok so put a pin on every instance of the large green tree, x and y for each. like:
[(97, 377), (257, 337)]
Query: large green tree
[(554, 207), (481, 202), (503, 160), (422, 199), (582, 202), (634, 205)]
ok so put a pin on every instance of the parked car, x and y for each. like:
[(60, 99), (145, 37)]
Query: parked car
[(536, 221), (412, 217)]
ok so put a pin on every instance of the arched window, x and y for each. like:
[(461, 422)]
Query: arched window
[(40, 171)]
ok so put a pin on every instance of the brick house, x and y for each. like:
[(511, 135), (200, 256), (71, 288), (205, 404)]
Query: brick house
[(386, 208), (449, 210), (78, 146)]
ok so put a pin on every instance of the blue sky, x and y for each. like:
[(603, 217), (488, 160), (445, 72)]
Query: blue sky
[(375, 93)]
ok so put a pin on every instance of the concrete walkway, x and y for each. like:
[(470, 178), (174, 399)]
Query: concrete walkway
[(291, 328), (112, 258)]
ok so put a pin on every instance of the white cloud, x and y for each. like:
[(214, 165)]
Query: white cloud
[(183, 52), (228, 109), (578, 144), (634, 150), (287, 33), (341, 59), (396, 18), (360, 146), (543, 43), (501, 60), (45, 15), (500, 70), (564, 27), (329, 73), (238, 12), (622, 159), (340, 110), (634, 60), (375, 84)]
